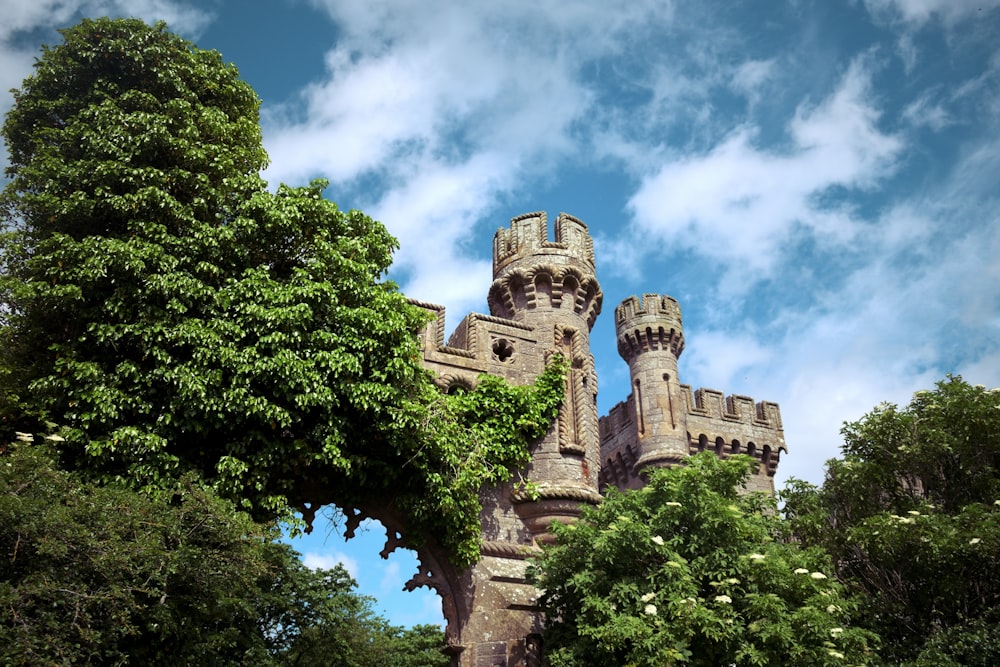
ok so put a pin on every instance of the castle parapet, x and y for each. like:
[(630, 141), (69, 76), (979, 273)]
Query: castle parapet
[(726, 425), (659, 306), (648, 325), (479, 344), (730, 425), (536, 278), (432, 334), (616, 421), (713, 404), (528, 236)]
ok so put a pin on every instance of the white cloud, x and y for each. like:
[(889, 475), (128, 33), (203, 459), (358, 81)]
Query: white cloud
[(449, 109), (962, 20), (886, 334), (15, 65), (392, 578), (431, 214), (728, 360), (920, 299), (29, 15), (328, 561), (751, 76), (927, 112), (740, 203), (412, 80)]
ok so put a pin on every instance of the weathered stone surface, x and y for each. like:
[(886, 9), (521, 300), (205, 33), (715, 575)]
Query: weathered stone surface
[(544, 299)]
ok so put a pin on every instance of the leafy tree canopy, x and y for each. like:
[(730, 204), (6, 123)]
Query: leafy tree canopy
[(419, 646), (689, 571), (104, 575), (911, 515), (173, 315)]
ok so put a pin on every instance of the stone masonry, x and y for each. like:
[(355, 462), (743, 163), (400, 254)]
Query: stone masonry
[(544, 300)]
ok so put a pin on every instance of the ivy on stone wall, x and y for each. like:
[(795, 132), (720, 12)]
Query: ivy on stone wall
[(483, 436)]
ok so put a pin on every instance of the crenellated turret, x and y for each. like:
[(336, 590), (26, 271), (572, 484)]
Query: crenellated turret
[(551, 286), (653, 324), (650, 339), (528, 238), (534, 278)]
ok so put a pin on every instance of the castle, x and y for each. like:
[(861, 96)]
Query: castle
[(544, 299)]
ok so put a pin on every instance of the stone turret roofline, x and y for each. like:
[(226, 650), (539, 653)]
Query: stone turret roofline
[(653, 323), (655, 305), (532, 274), (528, 236)]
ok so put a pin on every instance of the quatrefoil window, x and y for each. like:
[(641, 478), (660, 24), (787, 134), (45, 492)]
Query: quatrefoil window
[(503, 350)]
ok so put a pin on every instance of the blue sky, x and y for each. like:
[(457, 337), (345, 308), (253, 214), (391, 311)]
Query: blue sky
[(816, 181)]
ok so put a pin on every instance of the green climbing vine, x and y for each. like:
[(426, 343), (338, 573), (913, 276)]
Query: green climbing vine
[(484, 435)]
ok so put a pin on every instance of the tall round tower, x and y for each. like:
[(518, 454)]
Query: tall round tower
[(551, 286), (650, 340)]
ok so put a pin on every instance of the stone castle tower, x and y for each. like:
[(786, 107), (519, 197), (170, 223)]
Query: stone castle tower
[(662, 422), (544, 299)]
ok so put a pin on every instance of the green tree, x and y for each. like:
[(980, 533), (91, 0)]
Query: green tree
[(316, 618), (911, 515), (690, 571), (366, 640), (104, 575), (419, 646), (174, 315), (98, 574)]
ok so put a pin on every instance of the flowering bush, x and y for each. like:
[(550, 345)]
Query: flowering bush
[(689, 571)]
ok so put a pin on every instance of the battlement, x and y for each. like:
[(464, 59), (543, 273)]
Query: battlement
[(655, 306), (534, 277), (528, 236), (651, 324), (726, 425), (481, 339), (618, 420), (705, 405), (714, 405)]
